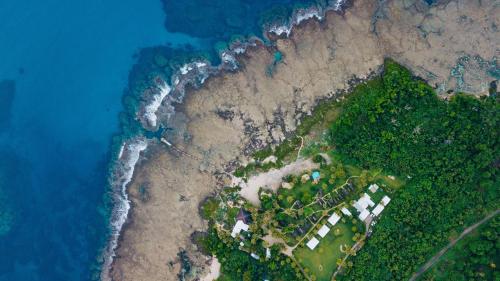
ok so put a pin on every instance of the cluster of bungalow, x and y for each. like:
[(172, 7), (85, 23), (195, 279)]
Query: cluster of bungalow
[(323, 231), (364, 204)]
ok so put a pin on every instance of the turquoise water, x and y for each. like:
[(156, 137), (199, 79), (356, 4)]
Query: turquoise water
[(64, 66)]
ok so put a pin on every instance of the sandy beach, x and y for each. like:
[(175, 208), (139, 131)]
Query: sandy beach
[(236, 113)]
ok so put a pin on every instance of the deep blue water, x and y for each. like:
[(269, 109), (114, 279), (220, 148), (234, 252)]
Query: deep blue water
[(63, 68)]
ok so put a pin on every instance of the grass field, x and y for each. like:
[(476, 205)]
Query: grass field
[(322, 261)]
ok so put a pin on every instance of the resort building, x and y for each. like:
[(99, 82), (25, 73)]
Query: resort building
[(373, 187), (363, 203), (333, 219), (242, 220), (385, 200), (312, 243), (346, 212), (362, 206), (364, 214), (378, 210), (323, 231), (238, 227)]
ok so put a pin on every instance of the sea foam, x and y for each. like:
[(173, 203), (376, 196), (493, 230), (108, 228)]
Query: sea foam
[(152, 107), (122, 176), (195, 74)]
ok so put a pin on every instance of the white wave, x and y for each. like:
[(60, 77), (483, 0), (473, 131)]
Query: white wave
[(124, 172), (151, 108), (200, 64), (120, 154), (338, 5), (280, 29), (305, 15)]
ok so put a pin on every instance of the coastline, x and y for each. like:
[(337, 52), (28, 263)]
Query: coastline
[(192, 74), (202, 79)]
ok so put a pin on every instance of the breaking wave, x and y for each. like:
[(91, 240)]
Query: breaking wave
[(158, 107)]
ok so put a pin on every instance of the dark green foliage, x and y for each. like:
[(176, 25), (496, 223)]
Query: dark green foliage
[(209, 207), (447, 148), (238, 265), (474, 258)]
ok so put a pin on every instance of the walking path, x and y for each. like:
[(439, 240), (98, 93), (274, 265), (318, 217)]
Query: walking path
[(436, 257)]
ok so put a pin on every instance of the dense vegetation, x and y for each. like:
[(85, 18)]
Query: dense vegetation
[(447, 149), (239, 265), (474, 258)]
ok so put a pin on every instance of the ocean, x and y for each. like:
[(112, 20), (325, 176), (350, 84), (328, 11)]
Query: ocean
[(65, 67)]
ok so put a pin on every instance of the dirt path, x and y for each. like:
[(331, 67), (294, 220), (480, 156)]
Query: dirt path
[(436, 257)]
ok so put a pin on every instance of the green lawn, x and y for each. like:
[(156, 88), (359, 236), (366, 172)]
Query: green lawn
[(322, 261)]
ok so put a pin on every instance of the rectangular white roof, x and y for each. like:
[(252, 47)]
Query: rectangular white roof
[(386, 199), (312, 243), (373, 187), (378, 209), (323, 231), (364, 215), (363, 203), (346, 212), (238, 227), (333, 219), (368, 200)]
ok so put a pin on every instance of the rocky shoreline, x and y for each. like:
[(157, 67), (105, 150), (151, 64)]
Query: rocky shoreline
[(238, 112)]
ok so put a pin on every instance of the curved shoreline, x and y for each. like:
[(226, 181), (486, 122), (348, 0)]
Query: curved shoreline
[(349, 62), (162, 106)]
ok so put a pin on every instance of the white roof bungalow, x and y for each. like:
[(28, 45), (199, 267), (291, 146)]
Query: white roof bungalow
[(238, 227), (323, 231), (386, 199), (333, 219), (378, 210), (312, 243), (363, 203), (363, 215), (346, 212), (373, 187)]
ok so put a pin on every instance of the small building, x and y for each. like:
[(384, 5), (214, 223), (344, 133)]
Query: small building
[(385, 200), (373, 187), (243, 216), (363, 215), (346, 212), (323, 231), (363, 203), (312, 243), (238, 227), (253, 255), (268, 253), (378, 210), (333, 219), (368, 200)]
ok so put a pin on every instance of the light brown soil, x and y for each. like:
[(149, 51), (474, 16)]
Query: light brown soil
[(319, 60)]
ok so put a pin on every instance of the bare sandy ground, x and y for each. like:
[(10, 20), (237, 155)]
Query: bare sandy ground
[(452, 46), (272, 179)]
